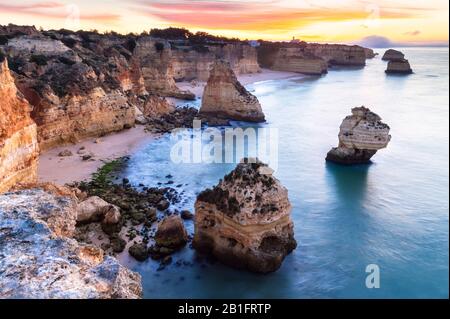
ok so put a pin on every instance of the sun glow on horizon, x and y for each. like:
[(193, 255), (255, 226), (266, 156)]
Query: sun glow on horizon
[(309, 20)]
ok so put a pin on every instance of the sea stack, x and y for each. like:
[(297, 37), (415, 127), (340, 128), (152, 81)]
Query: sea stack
[(18, 134), (245, 220), (392, 54), (361, 135), (225, 98), (399, 66)]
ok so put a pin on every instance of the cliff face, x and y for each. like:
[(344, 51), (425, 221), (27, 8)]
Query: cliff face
[(41, 260), (245, 221), (225, 98), (310, 58), (191, 63), (18, 136), (155, 59), (338, 54), (294, 60), (361, 135), (392, 54)]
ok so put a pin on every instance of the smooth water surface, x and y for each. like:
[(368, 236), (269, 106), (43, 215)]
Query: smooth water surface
[(393, 213)]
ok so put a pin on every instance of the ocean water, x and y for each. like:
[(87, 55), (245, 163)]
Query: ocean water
[(393, 213)]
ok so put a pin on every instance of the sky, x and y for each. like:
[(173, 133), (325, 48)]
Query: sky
[(343, 21)]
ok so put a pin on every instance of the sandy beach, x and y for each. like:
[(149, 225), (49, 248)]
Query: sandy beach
[(67, 169)]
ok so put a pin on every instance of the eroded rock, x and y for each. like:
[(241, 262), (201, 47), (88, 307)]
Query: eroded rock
[(361, 135), (245, 220), (171, 233)]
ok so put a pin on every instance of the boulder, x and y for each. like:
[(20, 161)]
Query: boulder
[(171, 233), (245, 220), (225, 98), (95, 209), (361, 135)]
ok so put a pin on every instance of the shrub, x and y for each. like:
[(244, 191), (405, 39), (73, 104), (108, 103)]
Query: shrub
[(159, 46)]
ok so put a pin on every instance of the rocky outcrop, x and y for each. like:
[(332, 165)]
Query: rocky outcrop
[(171, 233), (370, 54), (392, 54), (18, 134), (294, 60), (194, 61), (338, 54), (225, 98), (41, 260), (155, 107), (361, 135), (155, 59), (245, 220), (399, 66)]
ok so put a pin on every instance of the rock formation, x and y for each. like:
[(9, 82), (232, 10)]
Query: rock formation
[(392, 54), (225, 98), (171, 233), (245, 221), (338, 54), (361, 135), (155, 59), (370, 54), (18, 134), (41, 260), (294, 60), (399, 66)]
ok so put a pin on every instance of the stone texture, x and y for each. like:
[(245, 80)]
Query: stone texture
[(361, 135), (95, 209), (40, 260), (338, 54), (399, 66), (245, 221), (294, 60), (171, 233), (224, 97), (18, 135), (392, 54)]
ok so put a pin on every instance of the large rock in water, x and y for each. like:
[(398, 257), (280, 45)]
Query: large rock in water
[(245, 220), (399, 66), (224, 97), (392, 54), (18, 134), (39, 259), (361, 135)]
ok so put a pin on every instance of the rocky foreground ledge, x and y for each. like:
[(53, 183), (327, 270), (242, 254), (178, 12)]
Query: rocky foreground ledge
[(361, 135), (245, 220), (40, 259)]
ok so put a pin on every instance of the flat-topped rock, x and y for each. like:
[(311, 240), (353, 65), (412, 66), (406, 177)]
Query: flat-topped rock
[(245, 220), (361, 135), (225, 97), (392, 54)]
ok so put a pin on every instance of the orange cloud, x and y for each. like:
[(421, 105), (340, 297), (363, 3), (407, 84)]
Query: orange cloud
[(254, 16)]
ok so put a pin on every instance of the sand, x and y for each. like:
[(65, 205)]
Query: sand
[(68, 169)]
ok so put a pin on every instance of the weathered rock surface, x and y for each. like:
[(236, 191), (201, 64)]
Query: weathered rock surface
[(392, 54), (338, 54), (18, 134), (361, 135), (245, 221), (40, 260), (294, 60), (171, 233), (224, 97), (95, 209), (399, 66)]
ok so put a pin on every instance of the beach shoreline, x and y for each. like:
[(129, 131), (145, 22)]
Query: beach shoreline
[(67, 169)]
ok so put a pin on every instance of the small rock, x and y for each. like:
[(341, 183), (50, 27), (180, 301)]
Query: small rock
[(185, 214), (139, 252), (163, 205), (171, 233), (65, 153)]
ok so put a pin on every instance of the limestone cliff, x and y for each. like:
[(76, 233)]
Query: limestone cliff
[(245, 221), (361, 135), (225, 98), (194, 62), (40, 260), (155, 58), (18, 135), (294, 60), (338, 54)]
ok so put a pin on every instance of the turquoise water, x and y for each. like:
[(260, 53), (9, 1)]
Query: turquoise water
[(393, 213)]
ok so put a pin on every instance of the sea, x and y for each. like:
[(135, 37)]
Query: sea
[(388, 219)]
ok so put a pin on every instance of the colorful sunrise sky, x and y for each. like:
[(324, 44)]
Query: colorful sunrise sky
[(418, 21)]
